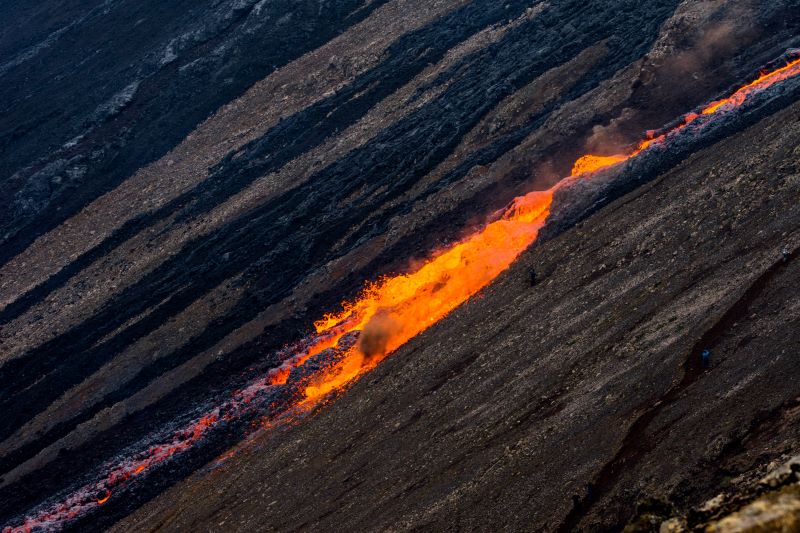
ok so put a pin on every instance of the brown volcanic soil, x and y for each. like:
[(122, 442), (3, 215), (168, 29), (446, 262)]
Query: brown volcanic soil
[(494, 418)]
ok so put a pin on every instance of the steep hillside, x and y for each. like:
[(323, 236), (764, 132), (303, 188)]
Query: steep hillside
[(188, 186), (495, 417)]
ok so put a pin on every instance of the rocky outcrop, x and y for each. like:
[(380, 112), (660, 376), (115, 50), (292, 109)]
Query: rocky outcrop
[(750, 503)]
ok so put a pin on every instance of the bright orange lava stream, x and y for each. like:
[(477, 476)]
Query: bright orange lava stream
[(391, 312), (593, 163), (394, 310)]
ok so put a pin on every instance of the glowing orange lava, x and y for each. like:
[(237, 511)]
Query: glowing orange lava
[(766, 79), (391, 312), (593, 163)]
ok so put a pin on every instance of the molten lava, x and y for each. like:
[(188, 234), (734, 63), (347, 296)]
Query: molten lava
[(765, 80), (593, 163), (96, 494), (396, 309), (386, 315)]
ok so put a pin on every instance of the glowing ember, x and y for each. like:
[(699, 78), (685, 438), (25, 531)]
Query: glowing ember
[(387, 315)]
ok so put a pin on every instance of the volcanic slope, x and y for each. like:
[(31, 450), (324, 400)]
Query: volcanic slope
[(158, 253), (496, 416)]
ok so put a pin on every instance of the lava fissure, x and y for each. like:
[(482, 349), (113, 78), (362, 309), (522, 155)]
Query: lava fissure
[(695, 130), (391, 311)]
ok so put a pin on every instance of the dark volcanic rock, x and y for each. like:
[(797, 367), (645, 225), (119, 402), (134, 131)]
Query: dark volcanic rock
[(116, 84), (323, 360), (187, 186)]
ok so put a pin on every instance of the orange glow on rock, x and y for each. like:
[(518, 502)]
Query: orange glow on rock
[(279, 376)]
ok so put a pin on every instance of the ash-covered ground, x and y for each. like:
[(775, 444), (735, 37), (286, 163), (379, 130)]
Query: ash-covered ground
[(186, 187)]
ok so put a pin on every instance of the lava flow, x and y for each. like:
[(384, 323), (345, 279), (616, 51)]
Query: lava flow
[(96, 494), (593, 163), (386, 315), (393, 311)]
